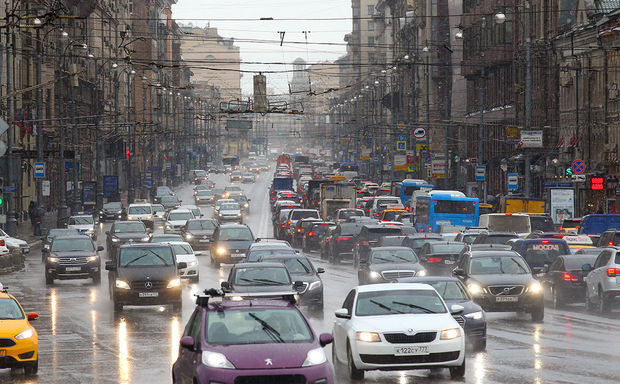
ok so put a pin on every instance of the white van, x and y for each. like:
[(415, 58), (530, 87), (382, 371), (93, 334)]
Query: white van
[(141, 212), (506, 222)]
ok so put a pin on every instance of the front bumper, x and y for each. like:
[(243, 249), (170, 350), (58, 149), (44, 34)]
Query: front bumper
[(188, 272), (132, 296), (319, 374), (23, 352), (524, 302), (172, 229), (229, 258), (110, 216), (72, 271), (229, 219)]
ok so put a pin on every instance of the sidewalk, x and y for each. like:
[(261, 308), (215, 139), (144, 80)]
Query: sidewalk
[(25, 231)]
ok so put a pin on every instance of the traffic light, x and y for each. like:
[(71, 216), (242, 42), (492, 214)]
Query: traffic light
[(1, 198), (127, 154), (165, 158), (569, 171)]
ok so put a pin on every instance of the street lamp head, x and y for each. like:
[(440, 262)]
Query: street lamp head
[(459, 35), (144, 79), (114, 65), (133, 72), (499, 18), (91, 56), (376, 82), (406, 57), (425, 49), (383, 71), (64, 34), (37, 21)]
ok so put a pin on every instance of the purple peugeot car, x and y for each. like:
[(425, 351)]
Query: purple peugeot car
[(251, 341)]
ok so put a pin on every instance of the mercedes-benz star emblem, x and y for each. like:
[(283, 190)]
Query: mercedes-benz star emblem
[(148, 285), (268, 362)]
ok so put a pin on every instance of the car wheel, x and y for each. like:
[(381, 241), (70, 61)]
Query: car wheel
[(31, 369), (354, 373), (97, 278), (538, 314), (589, 305), (557, 298), (48, 280), (604, 306), (458, 372)]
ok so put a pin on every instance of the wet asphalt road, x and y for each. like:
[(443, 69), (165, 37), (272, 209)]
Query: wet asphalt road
[(81, 340)]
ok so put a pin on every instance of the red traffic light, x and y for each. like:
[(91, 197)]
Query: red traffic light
[(166, 158), (127, 153)]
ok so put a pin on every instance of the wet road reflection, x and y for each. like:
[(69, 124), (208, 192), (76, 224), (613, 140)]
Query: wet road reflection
[(81, 340)]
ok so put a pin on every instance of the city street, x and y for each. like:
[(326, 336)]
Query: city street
[(81, 340)]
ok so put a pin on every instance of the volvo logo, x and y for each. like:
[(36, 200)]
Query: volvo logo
[(506, 290), (268, 362), (148, 285)]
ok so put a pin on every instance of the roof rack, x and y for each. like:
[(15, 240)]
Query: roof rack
[(203, 299)]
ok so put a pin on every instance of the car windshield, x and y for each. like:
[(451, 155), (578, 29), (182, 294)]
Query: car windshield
[(144, 210), (61, 232), (321, 228), (298, 215), (158, 208), (182, 249), (447, 248), (347, 214), (544, 252), (169, 199), (200, 173), (450, 290), (166, 238), (233, 188), (240, 198), (257, 326), (10, 310), (261, 276), (394, 302), (230, 207), (393, 256), (174, 216), (81, 220), (129, 227), (205, 193), (295, 265), (491, 265), (498, 239), (142, 257), (201, 224), (469, 239), (239, 234), (111, 206), (73, 245)]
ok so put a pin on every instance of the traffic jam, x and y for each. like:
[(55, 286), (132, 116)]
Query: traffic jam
[(289, 268)]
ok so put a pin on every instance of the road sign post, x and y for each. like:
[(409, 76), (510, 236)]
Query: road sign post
[(481, 173), (513, 181), (39, 170), (578, 167)]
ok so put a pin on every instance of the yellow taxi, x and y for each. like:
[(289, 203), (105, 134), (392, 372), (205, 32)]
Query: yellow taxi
[(19, 341)]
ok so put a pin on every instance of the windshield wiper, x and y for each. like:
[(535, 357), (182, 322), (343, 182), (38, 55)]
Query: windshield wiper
[(254, 281), (270, 281), (384, 259), (413, 306), (146, 254), (271, 331), (381, 305)]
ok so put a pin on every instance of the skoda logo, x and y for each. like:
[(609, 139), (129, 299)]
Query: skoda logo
[(148, 285), (410, 331), (268, 362)]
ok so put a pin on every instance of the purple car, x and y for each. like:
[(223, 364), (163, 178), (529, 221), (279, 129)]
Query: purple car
[(251, 341)]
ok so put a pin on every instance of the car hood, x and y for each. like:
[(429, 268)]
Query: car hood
[(14, 241), (396, 267), (485, 280), (408, 323), (242, 245), (147, 273), (130, 235), (74, 254), (230, 212), (261, 288), (185, 258), (203, 232), (266, 356), (81, 227), (177, 223)]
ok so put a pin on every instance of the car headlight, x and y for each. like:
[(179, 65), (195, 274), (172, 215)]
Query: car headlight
[(145, 238), (238, 214), (474, 289), (189, 236), (52, 259), (149, 217), (122, 284), (315, 357), (93, 258), (314, 285), (174, 283), (421, 273), (27, 334), (375, 275), (168, 226), (535, 287), (221, 250), (192, 264), (449, 334), (474, 315), (129, 217), (115, 240), (219, 214), (246, 205), (216, 360), (368, 337)]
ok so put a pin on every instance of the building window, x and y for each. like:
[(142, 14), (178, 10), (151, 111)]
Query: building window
[(130, 6), (371, 9), (371, 41), (371, 58), (355, 26), (356, 12), (371, 25), (210, 57)]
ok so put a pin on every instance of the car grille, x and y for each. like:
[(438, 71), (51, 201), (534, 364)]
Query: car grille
[(401, 338), (4, 343), (141, 284), (271, 379), (460, 320), (512, 290), (416, 359), (390, 275), (72, 260)]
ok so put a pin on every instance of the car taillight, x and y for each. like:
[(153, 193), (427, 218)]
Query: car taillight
[(298, 230), (2, 243), (610, 243), (366, 242), (342, 238), (289, 222), (434, 259), (570, 277), (611, 272), (368, 210), (311, 233), (283, 225)]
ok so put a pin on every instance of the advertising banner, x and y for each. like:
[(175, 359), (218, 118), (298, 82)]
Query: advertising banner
[(562, 204)]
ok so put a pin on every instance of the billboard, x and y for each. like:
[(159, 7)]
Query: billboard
[(562, 204)]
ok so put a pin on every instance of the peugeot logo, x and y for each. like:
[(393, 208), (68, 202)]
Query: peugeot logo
[(148, 285), (268, 362)]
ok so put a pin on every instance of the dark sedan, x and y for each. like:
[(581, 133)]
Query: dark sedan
[(112, 211), (387, 264), (230, 243), (417, 241), (472, 319), (199, 232), (125, 232), (563, 282), (73, 257), (440, 257)]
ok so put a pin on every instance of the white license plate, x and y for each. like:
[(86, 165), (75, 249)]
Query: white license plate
[(446, 261), (203, 241), (506, 299), (237, 255), (73, 269), (148, 294), (405, 351)]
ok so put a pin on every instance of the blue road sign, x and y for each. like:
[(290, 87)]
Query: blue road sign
[(513, 181), (9, 189), (578, 166), (401, 145), (168, 165), (428, 159), (481, 173), (402, 138), (39, 170)]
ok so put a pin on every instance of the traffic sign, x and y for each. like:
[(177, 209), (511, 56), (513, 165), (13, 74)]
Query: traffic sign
[(423, 147), (578, 166), (402, 138), (513, 181), (428, 159), (39, 170), (9, 189), (401, 145), (578, 178), (481, 173), (419, 133)]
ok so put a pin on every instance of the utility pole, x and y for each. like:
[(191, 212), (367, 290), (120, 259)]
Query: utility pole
[(74, 134), (99, 145), (528, 95), (62, 208), (11, 220), (39, 114), (483, 91)]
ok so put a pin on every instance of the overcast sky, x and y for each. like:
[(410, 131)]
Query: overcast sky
[(219, 13)]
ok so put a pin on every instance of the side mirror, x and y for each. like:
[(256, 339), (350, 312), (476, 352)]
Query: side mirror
[(100, 248), (45, 250), (297, 251), (456, 309), (32, 316), (342, 313), (187, 342), (326, 339), (458, 272), (320, 270), (587, 267), (110, 266), (181, 265), (225, 285), (249, 200)]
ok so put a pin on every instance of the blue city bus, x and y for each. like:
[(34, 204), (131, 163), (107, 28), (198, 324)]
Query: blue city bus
[(232, 160), (436, 209), (409, 186)]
